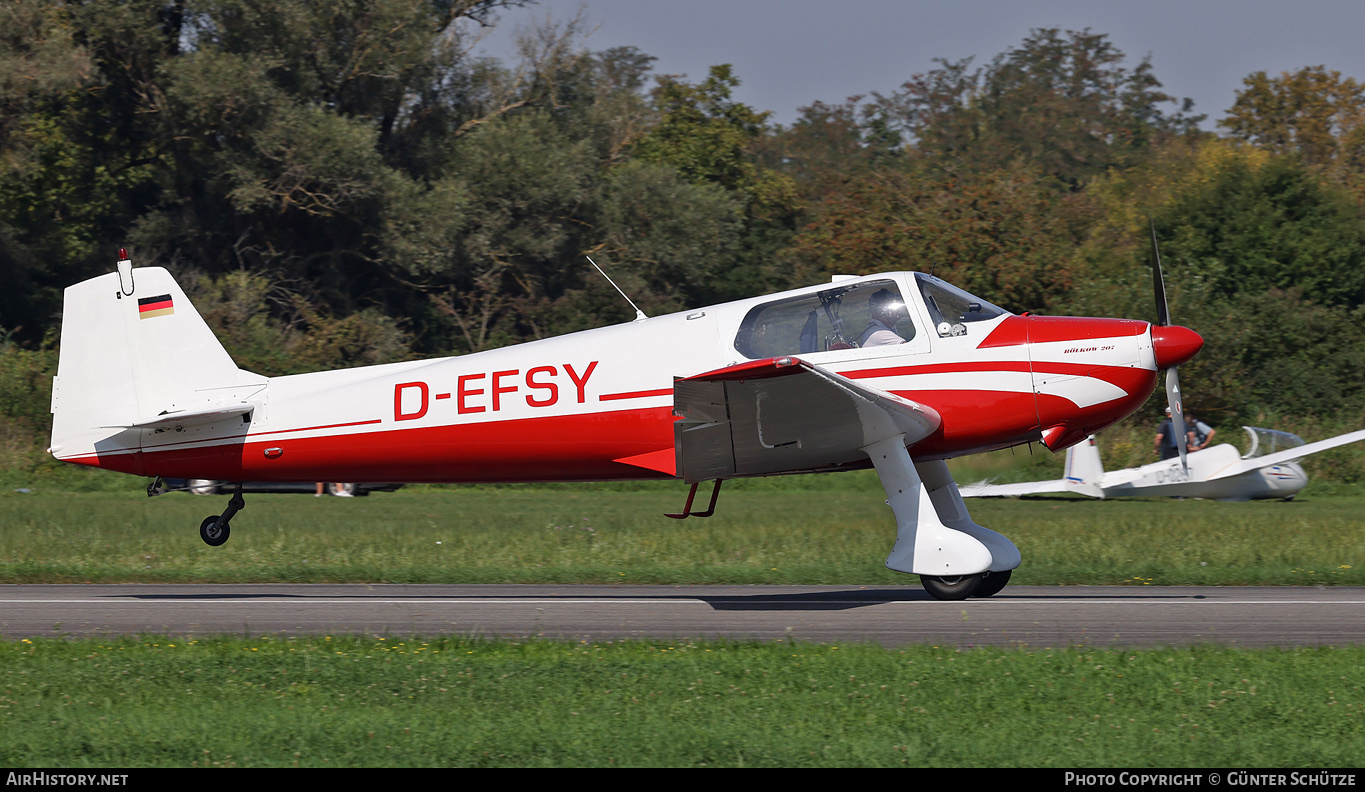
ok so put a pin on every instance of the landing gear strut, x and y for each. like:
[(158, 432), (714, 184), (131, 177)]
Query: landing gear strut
[(214, 530), (934, 533)]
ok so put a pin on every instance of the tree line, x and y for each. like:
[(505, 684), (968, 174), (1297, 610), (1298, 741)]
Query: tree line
[(348, 182)]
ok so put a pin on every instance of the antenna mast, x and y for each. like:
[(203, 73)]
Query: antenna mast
[(639, 315)]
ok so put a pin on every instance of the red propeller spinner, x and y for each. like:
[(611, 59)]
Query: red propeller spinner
[(1174, 345)]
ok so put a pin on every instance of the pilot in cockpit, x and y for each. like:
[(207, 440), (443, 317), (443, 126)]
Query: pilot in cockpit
[(884, 310)]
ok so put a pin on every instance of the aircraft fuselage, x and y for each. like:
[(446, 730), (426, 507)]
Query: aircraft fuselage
[(598, 404)]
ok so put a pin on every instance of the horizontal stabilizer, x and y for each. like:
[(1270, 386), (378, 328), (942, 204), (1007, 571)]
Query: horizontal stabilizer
[(190, 417)]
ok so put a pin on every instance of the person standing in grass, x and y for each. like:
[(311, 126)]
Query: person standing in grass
[(1199, 434), (1166, 444)]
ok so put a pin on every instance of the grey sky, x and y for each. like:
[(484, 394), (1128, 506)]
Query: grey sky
[(790, 53)]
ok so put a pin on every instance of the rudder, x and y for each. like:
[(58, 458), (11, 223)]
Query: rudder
[(136, 355)]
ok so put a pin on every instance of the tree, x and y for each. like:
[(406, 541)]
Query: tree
[(1004, 235), (1314, 113), (1060, 102), (1262, 256), (73, 159), (1252, 226), (703, 133), (829, 145), (711, 139)]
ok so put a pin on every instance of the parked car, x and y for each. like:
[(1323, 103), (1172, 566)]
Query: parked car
[(208, 487)]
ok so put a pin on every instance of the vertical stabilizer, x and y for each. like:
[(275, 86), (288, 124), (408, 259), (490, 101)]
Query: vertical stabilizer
[(136, 356), (1084, 468)]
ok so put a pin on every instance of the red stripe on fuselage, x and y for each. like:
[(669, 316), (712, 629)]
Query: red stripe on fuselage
[(1017, 330), (635, 394), (237, 437), (974, 421), (558, 448), (939, 368), (1011, 332), (1097, 370), (1049, 329), (1136, 382)]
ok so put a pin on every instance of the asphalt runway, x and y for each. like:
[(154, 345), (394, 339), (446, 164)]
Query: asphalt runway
[(1032, 616)]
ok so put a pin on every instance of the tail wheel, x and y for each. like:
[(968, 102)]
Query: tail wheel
[(212, 533), (958, 587), (993, 582)]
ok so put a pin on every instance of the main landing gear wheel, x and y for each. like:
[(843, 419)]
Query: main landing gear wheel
[(992, 583), (212, 533), (214, 529), (957, 587)]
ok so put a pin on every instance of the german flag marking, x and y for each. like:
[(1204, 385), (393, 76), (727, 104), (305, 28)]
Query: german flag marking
[(147, 307)]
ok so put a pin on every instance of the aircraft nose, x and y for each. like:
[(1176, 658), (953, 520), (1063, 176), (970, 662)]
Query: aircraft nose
[(1174, 345)]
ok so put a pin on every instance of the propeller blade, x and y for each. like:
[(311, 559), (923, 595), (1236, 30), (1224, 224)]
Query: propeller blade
[(1163, 314), (1177, 414), (1163, 318)]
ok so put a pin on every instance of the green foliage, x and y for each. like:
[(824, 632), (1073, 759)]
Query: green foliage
[(675, 235), (1313, 112), (241, 308), (703, 133), (25, 396), (834, 529), (1262, 256), (1060, 102), (1252, 228), (999, 234), (831, 144)]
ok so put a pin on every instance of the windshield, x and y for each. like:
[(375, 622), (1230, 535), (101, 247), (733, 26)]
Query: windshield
[(952, 309)]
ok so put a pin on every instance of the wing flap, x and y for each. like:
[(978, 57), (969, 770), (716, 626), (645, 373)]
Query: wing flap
[(784, 415)]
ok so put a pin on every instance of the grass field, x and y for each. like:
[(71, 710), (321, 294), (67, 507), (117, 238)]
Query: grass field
[(395, 702), (774, 534)]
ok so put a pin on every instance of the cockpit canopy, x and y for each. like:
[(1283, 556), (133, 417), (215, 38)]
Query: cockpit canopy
[(1267, 441), (858, 315)]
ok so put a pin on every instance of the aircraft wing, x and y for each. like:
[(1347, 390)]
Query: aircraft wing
[(1288, 455), (983, 489), (784, 415)]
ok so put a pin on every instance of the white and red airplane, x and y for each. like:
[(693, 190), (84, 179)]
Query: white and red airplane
[(895, 371)]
